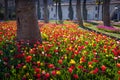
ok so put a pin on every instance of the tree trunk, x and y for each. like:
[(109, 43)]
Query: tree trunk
[(56, 12), (38, 9), (84, 11), (106, 13), (27, 25), (98, 11), (6, 10), (45, 11), (78, 12), (60, 12), (70, 15), (102, 12)]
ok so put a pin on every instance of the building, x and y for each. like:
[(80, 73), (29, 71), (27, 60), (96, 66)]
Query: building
[(92, 9)]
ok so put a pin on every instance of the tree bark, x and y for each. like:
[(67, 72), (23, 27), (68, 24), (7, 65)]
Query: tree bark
[(70, 15), (45, 11), (56, 11), (27, 25), (60, 11), (84, 11), (98, 9), (106, 13), (6, 10), (78, 12)]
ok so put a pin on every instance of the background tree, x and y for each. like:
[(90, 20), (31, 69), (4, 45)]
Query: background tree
[(84, 10), (1, 12), (78, 12), (71, 13), (60, 11), (56, 11), (98, 3), (6, 10), (46, 11), (38, 9), (27, 24), (106, 13), (56, 2)]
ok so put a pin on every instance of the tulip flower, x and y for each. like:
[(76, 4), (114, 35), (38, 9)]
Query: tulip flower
[(37, 70), (47, 75), (119, 72), (38, 75), (70, 70), (28, 58), (60, 61), (58, 72), (72, 61), (118, 65), (53, 72), (51, 66), (103, 67), (75, 76)]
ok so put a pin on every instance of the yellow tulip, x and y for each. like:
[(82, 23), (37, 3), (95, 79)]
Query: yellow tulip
[(58, 72), (42, 64), (65, 57), (72, 61), (90, 66), (24, 67), (38, 62)]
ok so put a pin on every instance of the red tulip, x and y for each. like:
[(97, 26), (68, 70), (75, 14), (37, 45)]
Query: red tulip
[(24, 78), (53, 72), (115, 52), (51, 66), (118, 65), (80, 67), (37, 70), (5, 59), (38, 75), (72, 56), (19, 65), (119, 72), (86, 42), (103, 67), (75, 76), (95, 71), (60, 61), (56, 50), (32, 51), (28, 58), (47, 75), (89, 63), (70, 70), (76, 52), (72, 67)]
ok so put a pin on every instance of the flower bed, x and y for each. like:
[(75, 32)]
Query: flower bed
[(109, 28), (67, 52)]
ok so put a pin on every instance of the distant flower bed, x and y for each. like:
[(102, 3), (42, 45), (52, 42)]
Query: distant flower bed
[(67, 53), (88, 24), (109, 28)]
